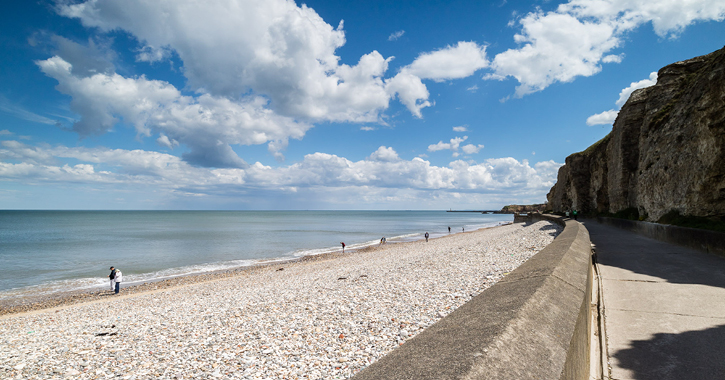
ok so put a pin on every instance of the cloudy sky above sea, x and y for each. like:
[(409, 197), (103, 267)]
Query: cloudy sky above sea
[(272, 104)]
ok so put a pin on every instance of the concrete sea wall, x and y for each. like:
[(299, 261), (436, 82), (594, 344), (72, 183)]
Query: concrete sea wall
[(533, 324)]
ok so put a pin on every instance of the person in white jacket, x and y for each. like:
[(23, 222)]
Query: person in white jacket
[(117, 280)]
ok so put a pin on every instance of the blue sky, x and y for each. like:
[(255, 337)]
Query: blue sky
[(224, 104)]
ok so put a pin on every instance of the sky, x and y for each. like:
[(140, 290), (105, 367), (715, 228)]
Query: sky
[(273, 104)]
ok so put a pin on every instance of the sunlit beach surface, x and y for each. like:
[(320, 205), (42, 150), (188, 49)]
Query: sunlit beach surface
[(322, 317)]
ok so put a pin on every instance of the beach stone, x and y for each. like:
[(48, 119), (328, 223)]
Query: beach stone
[(258, 324)]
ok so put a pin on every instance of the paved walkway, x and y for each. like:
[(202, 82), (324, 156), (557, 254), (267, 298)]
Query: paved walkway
[(664, 307)]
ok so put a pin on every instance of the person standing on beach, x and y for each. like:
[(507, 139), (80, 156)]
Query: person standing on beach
[(117, 279), (343, 247), (112, 276), (449, 229), (426, 237)]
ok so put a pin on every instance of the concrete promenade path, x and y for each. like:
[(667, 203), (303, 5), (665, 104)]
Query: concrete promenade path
[(664, 307)]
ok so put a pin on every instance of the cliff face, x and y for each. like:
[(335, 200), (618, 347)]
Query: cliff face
[(665, 151), (514, 209)]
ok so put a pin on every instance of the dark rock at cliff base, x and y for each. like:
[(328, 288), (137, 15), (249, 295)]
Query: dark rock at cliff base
[(514, 209), (664, 153)]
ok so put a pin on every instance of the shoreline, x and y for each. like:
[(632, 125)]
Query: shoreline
[(22, 305), (319, 317)]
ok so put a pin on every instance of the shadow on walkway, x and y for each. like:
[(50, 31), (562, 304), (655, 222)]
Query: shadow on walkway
[(669, 262), (688, 355)]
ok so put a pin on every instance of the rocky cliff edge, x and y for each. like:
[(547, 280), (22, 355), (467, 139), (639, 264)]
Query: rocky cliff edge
[(664, 153)]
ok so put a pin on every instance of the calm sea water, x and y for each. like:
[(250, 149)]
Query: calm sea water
[(50, 251)]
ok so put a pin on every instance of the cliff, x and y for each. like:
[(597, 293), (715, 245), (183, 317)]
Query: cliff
[(664, 153), (513, 209)]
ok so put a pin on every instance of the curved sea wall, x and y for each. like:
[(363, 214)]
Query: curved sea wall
[(533, 324)]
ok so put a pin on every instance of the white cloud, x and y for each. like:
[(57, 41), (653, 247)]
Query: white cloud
[(395, 35), (472, 149), (331, 175), (367, 128), (164, 140), (613, 58), (5, 132), (578, 37), (451, 62), (262, 72), (606, 117), (626, 92), (452, 145), (473, 88), (667, 17), (206, 124), (556, 48), (384, 154), (410, 90), (273, 48), (461, 128)]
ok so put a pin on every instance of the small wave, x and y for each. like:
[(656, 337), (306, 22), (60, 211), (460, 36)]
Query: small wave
[(95, 283)]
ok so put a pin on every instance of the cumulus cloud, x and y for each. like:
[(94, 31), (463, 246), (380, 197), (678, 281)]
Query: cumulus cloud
[(261, 72), (273, 48), (608, 117), (410, 90), (395, 35), (472, 149), (318, 171), (451, 62), (557, 47), (206, 124), (461, 128), (384, 154), (452, 145), (576, 38), (626, 92)]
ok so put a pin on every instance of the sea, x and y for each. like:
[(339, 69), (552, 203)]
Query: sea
[(43, 252)]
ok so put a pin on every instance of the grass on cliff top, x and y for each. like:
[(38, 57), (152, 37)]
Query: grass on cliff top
[(591, 148)]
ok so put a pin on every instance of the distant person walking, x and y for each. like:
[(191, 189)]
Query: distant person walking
[(117, 280), (463, 229), (343, 247), (382, 240), (575, 213), (112, 277), (426, 237), (449, 229)]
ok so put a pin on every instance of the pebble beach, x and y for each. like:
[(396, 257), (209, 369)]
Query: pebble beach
[(325, 317)]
